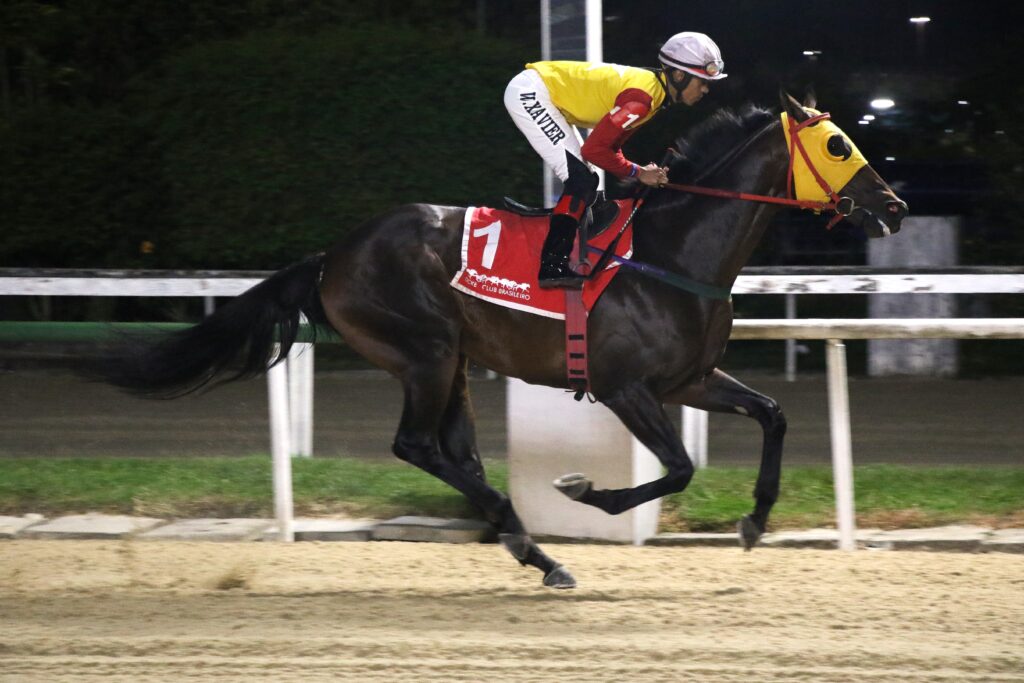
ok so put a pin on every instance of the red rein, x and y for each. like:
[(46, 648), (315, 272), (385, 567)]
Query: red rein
[(843, 206)]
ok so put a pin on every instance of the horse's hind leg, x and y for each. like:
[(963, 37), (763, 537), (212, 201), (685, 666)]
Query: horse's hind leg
[(392, 303), (458, 432), (427, 401), (457, 436), (724, 394)]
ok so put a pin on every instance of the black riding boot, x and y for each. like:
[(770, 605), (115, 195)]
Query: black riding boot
[(554, 259), (578, 193)]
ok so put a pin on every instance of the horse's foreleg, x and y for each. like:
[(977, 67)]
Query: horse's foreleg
[(641, 413), (430, 412), (724, 394)]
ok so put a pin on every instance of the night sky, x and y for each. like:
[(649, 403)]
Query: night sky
[(956, 80)]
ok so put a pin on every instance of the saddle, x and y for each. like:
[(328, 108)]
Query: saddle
[(595, 221)]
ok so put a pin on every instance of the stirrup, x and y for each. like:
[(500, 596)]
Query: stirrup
[(573, 281), (560, 277)]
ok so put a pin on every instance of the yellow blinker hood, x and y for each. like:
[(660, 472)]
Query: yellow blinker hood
[(836, 171)]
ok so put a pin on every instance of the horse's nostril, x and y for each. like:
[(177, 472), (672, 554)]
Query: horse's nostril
[(897, 208)]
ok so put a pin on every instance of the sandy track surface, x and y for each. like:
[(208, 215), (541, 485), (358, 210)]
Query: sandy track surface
[(167, 611)]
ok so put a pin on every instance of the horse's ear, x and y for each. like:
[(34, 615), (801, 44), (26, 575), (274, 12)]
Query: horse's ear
[(792, 107), (810, 99)]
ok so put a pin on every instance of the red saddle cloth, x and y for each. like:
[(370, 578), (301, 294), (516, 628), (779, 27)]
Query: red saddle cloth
[(501, 257)]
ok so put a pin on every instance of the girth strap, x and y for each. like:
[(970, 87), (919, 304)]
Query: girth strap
[(576, 343)]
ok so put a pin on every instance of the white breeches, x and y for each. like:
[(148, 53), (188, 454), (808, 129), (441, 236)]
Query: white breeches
[(551, 136)]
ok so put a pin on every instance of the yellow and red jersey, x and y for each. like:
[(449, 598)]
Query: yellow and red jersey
[(586, 91), (611, 99)]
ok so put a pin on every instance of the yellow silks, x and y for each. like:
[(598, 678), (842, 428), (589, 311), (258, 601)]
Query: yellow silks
[(835, 170)]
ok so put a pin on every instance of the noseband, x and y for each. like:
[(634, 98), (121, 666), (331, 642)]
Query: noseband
[(842, 206)]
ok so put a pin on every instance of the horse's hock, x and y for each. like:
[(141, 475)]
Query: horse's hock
[(551, 435)]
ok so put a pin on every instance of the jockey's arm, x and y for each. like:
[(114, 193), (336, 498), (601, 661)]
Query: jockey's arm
[(603, 146)]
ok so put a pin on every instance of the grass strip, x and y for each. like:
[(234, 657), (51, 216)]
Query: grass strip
[(889, 496)]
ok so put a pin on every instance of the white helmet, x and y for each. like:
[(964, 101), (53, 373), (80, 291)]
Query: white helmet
[(694, 53)]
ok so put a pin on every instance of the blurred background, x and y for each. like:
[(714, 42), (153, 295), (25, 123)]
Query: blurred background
[(242, 134), (200, 134)]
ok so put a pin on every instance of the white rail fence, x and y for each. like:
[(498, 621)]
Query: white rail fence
[(290, 386)]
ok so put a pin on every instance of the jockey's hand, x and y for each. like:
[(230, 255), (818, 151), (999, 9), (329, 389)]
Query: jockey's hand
[(653, 175)]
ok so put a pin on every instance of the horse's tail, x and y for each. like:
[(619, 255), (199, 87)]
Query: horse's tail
[(237, 341)]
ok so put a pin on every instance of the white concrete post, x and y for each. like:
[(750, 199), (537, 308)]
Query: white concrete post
[(550, 435), (695, 435), (277, 388), (940, 247), (300, 399), (842, 451)]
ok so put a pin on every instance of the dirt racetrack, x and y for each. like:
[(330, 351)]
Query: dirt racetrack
[(147, 611)]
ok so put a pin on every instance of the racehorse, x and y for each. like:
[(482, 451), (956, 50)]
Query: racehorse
[(385, 288)]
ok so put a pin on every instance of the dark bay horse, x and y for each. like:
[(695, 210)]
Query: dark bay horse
[(385, 289)]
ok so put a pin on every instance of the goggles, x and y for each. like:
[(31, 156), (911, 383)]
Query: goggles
[(711, 69)]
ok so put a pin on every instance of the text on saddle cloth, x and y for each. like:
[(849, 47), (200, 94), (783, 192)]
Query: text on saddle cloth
[(501, 257)]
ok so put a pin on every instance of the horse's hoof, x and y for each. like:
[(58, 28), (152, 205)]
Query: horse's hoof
[(574, 485), (749, 533), (559, 577)]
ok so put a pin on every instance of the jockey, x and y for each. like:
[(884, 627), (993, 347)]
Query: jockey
[(549, 99)]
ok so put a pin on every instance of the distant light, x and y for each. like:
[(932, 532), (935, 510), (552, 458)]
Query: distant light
[(964, 102), (920, 20), (868, 117), (882, 103), (1000, 132), (863, 122), (890, 158), (811, 53), (949, 130)]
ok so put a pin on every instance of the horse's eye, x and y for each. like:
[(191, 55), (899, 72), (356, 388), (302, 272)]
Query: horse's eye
[(838, 147)]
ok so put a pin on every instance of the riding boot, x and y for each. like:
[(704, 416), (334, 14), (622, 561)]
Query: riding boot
[(578, 193), (555, 270)]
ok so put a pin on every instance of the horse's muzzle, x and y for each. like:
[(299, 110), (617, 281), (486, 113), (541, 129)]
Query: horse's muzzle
[(897, 209)]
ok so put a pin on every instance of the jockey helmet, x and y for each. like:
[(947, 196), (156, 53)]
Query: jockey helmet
[(695, 54)]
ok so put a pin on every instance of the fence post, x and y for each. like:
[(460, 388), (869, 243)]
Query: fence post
[(842, 458), (791, 346), (277, 388)]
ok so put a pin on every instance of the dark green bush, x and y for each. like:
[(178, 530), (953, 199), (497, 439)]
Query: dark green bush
[(249, 152)]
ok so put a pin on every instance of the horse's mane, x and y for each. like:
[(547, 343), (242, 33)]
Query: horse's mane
[(714, 138)]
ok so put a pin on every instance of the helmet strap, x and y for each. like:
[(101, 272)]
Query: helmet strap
[(680, 86)]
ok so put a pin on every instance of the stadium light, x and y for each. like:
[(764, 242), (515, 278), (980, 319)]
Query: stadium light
[(882, 103), (920, 20)]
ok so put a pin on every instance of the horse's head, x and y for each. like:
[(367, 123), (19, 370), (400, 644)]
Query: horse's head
[(829, 160)]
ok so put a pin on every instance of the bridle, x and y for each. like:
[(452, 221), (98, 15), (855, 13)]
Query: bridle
[(842, 206)]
